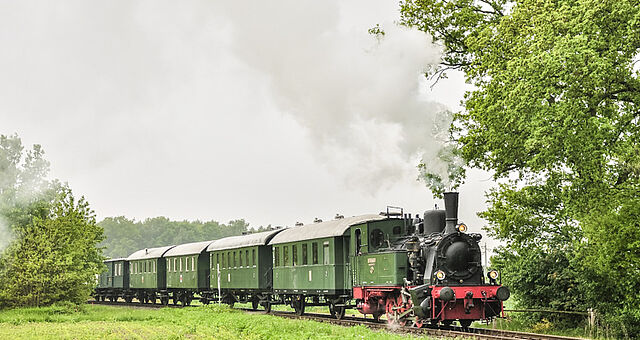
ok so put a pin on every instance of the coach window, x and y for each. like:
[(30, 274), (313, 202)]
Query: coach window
[(180, 261), (276, 256), (246, 256), (228, 259), (153, 266), (285, 255), (325, 252), (240, 258), (253, 257), (304, 255), (193, 263), (314, 250), (294, 250)]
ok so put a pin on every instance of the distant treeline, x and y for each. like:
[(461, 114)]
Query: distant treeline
[(125, 236)]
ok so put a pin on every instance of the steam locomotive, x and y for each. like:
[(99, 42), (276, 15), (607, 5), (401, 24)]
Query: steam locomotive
[(445, 280), (419, 270)]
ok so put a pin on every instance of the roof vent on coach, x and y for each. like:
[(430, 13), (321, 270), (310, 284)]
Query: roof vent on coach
[(339, 217), (317, 220)]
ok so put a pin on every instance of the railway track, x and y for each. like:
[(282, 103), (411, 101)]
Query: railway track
[(450, 332), (443, 332)]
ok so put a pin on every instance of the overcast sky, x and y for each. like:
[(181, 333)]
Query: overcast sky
[(274, 112)]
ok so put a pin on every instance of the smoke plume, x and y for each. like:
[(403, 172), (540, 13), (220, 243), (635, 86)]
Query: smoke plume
[(361, 96), (5, 235)]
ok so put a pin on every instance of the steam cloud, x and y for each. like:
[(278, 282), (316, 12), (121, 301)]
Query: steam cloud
[(359, 95), (5, 235)]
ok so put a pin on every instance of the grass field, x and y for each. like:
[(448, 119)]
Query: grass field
[(207, 322)]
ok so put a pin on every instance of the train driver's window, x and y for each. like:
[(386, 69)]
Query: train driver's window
[(377, 238)]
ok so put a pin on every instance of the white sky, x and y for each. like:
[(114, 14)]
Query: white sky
[(194, 110)]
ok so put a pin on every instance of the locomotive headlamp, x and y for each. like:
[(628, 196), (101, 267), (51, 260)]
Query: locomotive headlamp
[(462, 228), (493, 274), (440, 275)]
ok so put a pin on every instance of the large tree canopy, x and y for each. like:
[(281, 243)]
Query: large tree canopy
[(49, 242), (554, 115)]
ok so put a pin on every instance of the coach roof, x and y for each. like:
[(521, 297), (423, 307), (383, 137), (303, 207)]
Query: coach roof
[(331, 228), (257, 239), (188, 249), (149, 253)]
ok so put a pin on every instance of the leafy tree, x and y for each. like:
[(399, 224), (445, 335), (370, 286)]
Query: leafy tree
[(554, 115), (51, 254)]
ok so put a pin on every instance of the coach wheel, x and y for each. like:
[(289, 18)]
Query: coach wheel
[(188, 300), (338, 312), (164, 301), (229, 300), (267, 307), (298, 304), (255, 301), (128, 299), (465, 324)]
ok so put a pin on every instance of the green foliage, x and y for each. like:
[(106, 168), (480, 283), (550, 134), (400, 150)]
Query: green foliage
[(51, 254), (125, 236), (554, 115)]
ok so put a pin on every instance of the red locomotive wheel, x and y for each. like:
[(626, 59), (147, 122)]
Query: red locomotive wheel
[(395, 308)]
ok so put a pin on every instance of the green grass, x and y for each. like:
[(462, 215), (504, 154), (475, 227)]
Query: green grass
[(206, 322)]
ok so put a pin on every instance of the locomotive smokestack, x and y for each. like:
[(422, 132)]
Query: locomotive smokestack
[(451, 211)]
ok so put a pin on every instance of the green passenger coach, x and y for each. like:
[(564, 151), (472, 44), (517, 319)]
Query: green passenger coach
[(147, 275), (187, 272), (241, 268), (312, 264), (113, 282)]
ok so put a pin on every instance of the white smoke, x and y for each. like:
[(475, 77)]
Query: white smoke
[(360, 96), (5, 235)]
